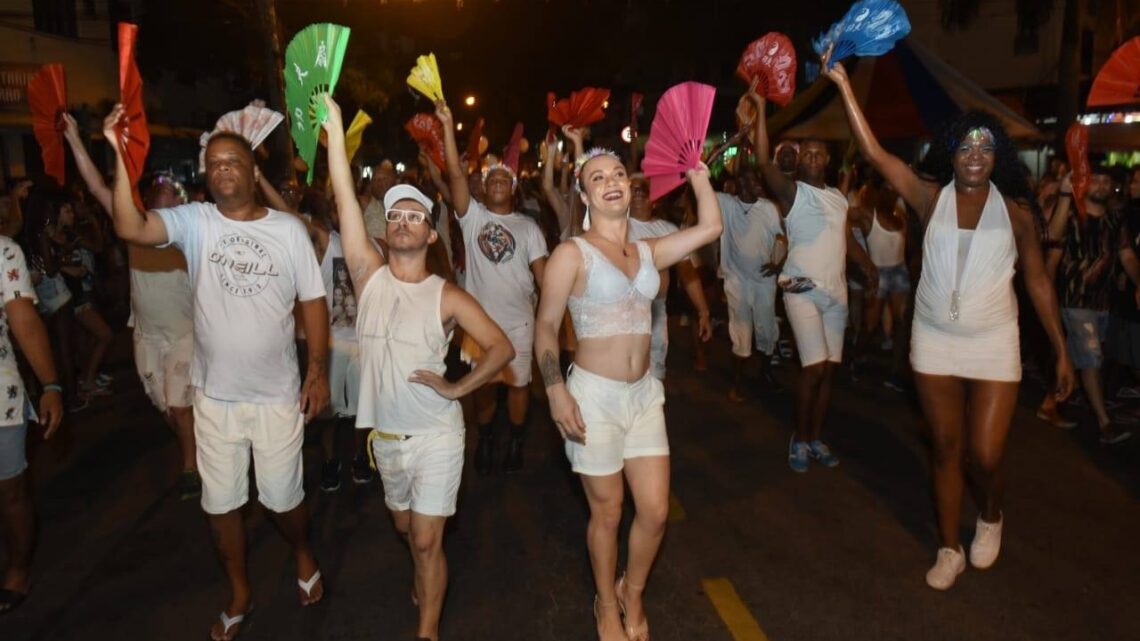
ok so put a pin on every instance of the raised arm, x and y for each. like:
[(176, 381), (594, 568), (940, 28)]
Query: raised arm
[(574, 135), (1062, 210), (273, 197), (559, 277), (673, 248), (132, 225), (359, 253), (436, 176), (780, 187), (456, 174), (87, 169), (556, 198), (914, 191)]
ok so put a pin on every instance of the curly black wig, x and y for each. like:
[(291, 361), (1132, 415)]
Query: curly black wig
[(1009, 173)]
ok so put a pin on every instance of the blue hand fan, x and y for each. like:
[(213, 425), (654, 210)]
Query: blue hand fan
[(870, 28)]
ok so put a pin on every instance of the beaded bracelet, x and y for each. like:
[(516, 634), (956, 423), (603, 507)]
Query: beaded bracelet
[(52, 387)]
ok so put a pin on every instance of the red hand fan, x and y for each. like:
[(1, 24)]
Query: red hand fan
[(134, 137), (1077, 149), (635, 101), (473, 153), (772, 59), (47, 97), (677, 136), (582, 108), (1118, 82), (427, 131), (513, 148)]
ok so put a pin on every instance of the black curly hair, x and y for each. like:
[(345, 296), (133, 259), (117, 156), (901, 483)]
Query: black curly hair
[(1009, 174)]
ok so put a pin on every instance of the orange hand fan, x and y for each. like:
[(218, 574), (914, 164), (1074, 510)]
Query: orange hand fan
[(47, 97), (1077, 149), (133, 135), (475, 148), (513, 149), (427, 131), (1118, 82), (582, 108)]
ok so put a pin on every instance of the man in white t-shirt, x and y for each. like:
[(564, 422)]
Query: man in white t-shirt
[(752, 242), (249, 265), (506, 255), (407, 316)]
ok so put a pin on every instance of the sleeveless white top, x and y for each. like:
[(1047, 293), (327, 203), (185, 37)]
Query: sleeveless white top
[(983, 298), (887, 248), (612, 304), (400, 330), (817, 239)]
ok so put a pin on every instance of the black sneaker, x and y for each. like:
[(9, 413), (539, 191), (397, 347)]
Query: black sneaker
[(330, 475), (514, 461), (189, 485), (485, 454), (361, 470)]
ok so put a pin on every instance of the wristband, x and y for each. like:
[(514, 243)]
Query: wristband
[(53, 387)]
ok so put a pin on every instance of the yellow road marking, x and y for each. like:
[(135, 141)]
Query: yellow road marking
[(733, 611), (676, 512)]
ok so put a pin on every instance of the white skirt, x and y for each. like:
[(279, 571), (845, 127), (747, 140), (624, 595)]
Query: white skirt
[(988, 355)]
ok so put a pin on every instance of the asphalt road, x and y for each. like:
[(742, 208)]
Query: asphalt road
[(753, 550)]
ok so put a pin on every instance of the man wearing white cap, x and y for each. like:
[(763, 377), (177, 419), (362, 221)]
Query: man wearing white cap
[(405, 320), (506, 256)]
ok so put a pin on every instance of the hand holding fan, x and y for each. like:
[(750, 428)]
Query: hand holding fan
[(1077, 149), (254, 123), (427, 131), (677, 136), (47, 97), (424, 78), (870, 28), (131, 131), (583, 107), (313, 61), (772, 60)]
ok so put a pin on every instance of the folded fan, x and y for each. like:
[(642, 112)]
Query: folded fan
[(424, 78), (476, 146), (313, 62), (354, 135), (583, 107), (771, 59), (132, 132), (254, 123), (514, 148), (47, 97), (427, 131), (1077, 149), (677, 136), (1118, 82), (870, 28)]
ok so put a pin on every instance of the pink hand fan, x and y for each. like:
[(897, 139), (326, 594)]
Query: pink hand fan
[(254, 123), (677, 136)]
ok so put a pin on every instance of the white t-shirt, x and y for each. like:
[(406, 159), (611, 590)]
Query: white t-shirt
[(817, 239), (246, 277), (750, 231), (500, 249), (15, 283), (652, 228)]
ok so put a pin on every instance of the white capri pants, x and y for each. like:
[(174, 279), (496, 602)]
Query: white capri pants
[(623, 421), (818, 320), (751, 313), (226, 433), (164, 369), (420, 473)]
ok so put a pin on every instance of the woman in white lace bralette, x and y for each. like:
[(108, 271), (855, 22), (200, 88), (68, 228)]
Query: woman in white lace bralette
[(964, 346), (610, 408)]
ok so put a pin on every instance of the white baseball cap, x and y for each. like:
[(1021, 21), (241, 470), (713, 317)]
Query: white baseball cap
[(406, 192)]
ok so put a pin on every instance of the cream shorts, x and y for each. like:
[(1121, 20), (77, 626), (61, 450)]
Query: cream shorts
[(227, 432), (751, 314), (420, 473), (818, 321), (623, 421), (344, 377), (164, 368)]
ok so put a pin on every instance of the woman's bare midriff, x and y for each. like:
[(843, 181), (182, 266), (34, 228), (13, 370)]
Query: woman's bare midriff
[(622, 358)]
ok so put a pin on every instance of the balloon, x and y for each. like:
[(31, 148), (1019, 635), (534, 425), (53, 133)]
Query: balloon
[(524, 145), (483, 144)]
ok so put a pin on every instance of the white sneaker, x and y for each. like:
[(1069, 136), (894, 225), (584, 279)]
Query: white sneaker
[(987, 543), (946, 569)]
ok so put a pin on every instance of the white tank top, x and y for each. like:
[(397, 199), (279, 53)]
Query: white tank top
[(400, 330), (982, 298), (612, 304), (817, 239), (887, 248)]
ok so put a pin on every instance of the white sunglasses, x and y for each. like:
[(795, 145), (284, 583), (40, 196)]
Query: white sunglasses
[(399, 215)]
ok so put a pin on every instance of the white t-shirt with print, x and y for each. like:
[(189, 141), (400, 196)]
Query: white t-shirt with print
[(341, 297), (500, 249), (246, 277), (14, 283), (750, 231)]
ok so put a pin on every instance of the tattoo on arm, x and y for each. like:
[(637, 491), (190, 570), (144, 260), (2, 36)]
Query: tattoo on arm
[(551, 371)]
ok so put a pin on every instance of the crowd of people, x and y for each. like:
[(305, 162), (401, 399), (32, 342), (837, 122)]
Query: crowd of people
[(370, 303)]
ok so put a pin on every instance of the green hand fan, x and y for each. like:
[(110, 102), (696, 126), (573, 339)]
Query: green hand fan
[(312, 67)]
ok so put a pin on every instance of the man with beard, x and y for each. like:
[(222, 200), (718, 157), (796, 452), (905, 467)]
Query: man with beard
[(249, 265), (506, 254), (1084, 280)]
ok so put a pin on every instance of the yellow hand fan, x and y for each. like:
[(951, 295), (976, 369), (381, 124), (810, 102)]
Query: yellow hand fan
[(424, 78), (354, 135)]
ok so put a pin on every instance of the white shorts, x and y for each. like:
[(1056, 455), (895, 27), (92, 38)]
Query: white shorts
[(164, 368), (517, 372), (420, 473), (623, 420), (751, 313), (226, 432), (659, 340), (344, 377), (818, 320)]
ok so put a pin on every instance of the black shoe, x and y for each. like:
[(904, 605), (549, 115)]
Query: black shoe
[(485, 451), (189, 485), (514, 461), (330, 475), (361, 470)]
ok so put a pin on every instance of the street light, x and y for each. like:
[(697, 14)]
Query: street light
[(459, 126), (469, 101)]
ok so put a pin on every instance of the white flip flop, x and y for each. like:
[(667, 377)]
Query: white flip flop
[(307, 586)]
